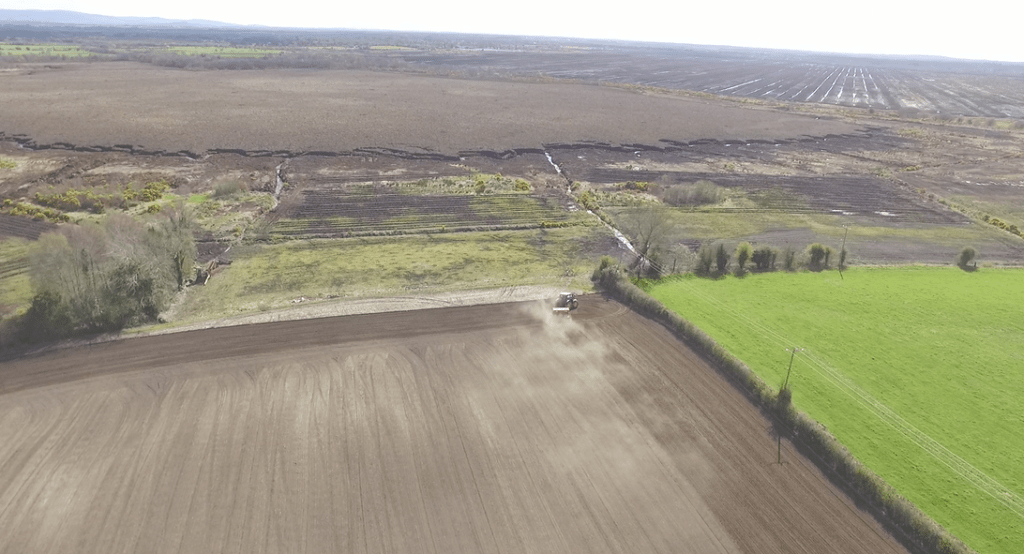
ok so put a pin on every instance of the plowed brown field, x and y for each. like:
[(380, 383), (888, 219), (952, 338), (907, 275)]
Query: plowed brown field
[(482, 429)]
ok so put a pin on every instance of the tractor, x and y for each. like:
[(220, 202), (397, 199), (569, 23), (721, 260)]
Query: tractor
[(566, 303)]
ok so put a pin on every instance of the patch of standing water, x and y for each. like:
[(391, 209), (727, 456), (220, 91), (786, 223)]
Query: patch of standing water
[(280, 183), (553, 164), (568, 189), (622, 238)]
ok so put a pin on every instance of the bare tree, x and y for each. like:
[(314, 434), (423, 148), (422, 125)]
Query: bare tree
[(180, 243), (650, 228)]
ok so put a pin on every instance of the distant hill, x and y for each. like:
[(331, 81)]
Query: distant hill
[(66, 17)]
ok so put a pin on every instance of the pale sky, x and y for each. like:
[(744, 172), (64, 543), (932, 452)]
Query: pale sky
[(979, 29)]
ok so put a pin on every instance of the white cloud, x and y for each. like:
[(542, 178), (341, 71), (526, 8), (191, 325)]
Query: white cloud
[(868, 26)]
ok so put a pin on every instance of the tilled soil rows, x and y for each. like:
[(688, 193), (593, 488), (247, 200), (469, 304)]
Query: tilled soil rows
[(336, 212), (494, 428)]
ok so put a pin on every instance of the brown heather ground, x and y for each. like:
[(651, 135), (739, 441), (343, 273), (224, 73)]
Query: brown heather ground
[(107, 104)]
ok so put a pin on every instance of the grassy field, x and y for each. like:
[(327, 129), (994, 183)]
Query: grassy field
[(265, 277), (221, 51), (917, 370), (15, 288)]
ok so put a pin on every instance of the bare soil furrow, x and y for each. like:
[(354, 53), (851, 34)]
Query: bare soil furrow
[(491, 429)]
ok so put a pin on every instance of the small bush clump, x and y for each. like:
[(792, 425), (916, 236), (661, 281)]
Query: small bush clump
[(588, 200), (226, 189), (697, 194), (705, 259), (743, 252), (764, 258), (639, 186), (966, 257), (789, 259), (35, 212), (721, 258), (818, 256)]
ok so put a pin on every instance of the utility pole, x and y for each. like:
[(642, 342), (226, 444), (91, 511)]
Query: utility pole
[(793, 352), (842, 252), (785, 386)]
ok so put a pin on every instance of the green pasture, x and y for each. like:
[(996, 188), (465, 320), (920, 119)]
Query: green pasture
[(265, 277), (918, 371), (7, 49)]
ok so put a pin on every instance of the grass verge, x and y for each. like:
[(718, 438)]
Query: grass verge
[(265, 277)]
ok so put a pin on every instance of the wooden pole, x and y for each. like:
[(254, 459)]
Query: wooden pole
[(793, 351), (842, 257)]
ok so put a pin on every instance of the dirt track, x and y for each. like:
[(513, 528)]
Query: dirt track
[(477, 429)]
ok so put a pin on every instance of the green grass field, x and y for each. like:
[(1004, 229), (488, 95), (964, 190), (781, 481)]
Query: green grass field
[(919, 371)]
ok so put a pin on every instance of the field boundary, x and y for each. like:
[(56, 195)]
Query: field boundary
[(902, 517)]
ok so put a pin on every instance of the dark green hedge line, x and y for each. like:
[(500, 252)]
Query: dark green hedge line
[(833, 458)]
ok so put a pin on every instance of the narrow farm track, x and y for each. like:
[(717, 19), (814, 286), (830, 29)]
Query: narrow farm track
[(481, 429), (818, 363)]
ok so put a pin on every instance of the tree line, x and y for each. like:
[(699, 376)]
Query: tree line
[(104, 277)]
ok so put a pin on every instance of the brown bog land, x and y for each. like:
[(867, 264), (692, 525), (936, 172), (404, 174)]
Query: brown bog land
[(481, 429), (298, 110)]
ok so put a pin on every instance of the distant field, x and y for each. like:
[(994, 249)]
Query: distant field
[(222, 51), (916, 370), (43, 50)]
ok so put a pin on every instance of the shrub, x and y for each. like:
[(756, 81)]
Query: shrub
[(226, 189), (705, 259), (789, 259), (818, 256), (521, 185), (639, 186), (763, 258), (605, 263), (743, 251), (75, 200), (46, 319), (8, 164), (721, 258), (589, 200), (153, 191), (965, 257), (699, 193)]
